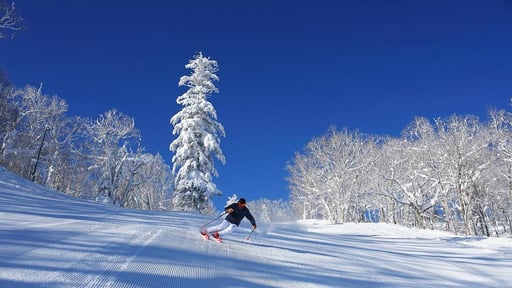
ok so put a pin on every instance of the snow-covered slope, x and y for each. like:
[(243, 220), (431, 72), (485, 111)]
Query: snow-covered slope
[(50, 240)]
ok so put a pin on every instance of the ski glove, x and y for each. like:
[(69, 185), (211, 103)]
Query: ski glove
[(254, 226), (230, 210)]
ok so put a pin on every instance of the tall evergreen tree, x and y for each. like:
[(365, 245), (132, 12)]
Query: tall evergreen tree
[(198, 142)]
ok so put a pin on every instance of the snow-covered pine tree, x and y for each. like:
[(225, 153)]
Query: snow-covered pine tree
[(198, 139)]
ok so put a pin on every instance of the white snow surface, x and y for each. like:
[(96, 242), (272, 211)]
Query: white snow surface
[(48, 239)]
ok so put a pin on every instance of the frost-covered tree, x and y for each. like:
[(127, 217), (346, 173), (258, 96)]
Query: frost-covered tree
[(151, 185), (10, 21), (8, 112), (465, 143), (115, 138), (25, 130), (327, 181), (501, 128), (271, 210), (198, 140)]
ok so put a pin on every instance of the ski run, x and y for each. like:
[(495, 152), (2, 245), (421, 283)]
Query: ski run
[(48, 239)]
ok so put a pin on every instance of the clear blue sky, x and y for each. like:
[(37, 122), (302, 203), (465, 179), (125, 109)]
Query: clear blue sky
[(288, 69)]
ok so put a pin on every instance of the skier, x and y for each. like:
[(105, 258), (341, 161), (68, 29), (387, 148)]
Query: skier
[(236, 212)]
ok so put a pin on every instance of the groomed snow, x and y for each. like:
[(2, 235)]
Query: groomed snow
[(50, 240)]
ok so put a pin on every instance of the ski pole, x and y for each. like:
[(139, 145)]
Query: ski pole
[(249, 237), (223, 213)]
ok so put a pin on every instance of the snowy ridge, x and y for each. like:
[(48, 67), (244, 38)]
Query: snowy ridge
[(48, 239)]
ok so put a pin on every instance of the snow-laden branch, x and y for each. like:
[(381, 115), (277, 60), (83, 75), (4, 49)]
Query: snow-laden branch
[(10, 21)]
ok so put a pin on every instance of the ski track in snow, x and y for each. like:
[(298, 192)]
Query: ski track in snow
[(51, 240)]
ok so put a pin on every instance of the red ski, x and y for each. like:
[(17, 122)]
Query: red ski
[(205, 235), (216, 237)]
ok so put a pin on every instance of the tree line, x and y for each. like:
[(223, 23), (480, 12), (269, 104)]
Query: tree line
[(453, 174), (98, 158)]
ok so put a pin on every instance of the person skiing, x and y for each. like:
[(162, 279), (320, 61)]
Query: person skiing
[(236, 212)]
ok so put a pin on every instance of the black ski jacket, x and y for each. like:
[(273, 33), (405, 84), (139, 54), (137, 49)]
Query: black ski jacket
[(238, 214)]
